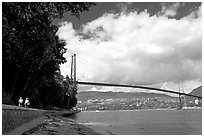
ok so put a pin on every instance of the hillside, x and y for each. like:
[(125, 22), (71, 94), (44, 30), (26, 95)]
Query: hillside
[(83, 96), (94, 100), (197, 91)]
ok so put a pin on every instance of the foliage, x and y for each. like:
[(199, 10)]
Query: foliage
[(70, 99), (6, 98), (31, 50)]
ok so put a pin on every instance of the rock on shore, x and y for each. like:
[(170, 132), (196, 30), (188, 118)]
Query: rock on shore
[(59, 125)]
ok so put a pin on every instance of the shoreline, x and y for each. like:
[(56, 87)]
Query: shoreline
[(160, 109), (56, 124), (28, 121)]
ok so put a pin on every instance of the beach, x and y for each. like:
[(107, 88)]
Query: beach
[(55, 124)]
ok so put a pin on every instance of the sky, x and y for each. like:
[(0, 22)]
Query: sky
[(148, 44)]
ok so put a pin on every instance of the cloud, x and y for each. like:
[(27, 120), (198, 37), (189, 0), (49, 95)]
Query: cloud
[(123, 6), (136, 48), (169, 10)]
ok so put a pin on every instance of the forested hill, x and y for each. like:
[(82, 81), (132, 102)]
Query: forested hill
[(106, 95), (94, 100)]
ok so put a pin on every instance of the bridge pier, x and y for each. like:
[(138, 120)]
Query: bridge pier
[(180, 102)]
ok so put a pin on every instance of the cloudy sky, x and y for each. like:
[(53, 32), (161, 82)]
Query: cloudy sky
[(149, 44)]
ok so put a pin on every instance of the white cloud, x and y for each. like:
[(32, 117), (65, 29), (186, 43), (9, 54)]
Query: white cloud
[(137, 48), (169, 10)]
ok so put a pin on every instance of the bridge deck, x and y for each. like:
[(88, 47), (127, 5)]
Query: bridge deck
[(132, 86)]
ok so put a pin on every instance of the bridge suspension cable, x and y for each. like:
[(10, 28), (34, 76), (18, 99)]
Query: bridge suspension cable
[(119, 85), (93, 66), (89, 70), (96, 68), (133, 86)]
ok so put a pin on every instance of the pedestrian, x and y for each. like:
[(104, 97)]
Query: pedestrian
[(27, 103), (20, 102)]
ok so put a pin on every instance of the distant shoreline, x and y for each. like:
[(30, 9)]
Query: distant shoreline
[(190, 108)]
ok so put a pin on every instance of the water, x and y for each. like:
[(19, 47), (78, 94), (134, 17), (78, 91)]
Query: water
[(143, 122)]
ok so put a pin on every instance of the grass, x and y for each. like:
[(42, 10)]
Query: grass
[(13, 118)]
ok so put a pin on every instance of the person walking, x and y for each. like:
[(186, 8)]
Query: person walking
[(27, 103), (20, 102)]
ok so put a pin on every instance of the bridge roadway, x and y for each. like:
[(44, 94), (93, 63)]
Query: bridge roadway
[(132, 86)]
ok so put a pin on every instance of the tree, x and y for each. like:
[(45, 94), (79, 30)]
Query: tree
[(31, 51)]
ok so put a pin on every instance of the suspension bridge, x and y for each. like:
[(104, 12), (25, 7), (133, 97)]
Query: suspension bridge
[(76, 82)]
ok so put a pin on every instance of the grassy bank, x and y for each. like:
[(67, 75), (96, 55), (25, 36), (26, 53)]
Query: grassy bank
[(13, 116)]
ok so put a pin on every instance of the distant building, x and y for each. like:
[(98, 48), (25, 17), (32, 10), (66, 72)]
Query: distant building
[(196, 101)]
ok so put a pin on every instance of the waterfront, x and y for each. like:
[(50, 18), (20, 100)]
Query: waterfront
[(143, 122)]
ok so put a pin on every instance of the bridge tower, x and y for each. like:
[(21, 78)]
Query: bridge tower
[(73, 74), (73, 69), (182, 99)]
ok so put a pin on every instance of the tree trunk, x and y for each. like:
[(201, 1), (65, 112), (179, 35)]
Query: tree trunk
[(14, 85), (25, 87)]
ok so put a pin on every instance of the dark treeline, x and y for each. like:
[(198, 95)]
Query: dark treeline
[(32, 53)]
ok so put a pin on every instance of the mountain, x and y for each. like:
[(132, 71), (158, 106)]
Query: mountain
[(197, 91), (83, 96)]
